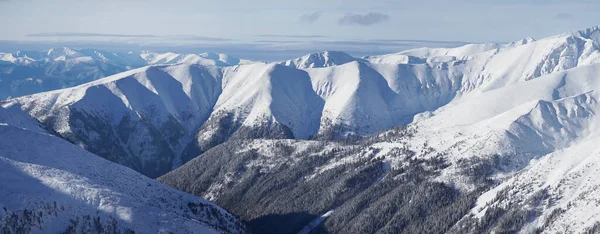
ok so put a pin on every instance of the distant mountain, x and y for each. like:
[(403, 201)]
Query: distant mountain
[(28, 72), (321, 59), (208, 59), (49, 185)]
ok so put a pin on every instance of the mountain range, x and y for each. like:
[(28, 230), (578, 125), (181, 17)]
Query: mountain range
[(498, 137), (28, 72)]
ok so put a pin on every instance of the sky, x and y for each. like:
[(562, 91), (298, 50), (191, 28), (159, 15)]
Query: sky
[(270, 22)]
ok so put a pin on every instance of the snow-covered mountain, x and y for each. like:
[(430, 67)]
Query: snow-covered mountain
[(28, 72), (178, 111), (499, 136), (148, 118), (502, 141), (143, 118), (524, 163), (49, 185)]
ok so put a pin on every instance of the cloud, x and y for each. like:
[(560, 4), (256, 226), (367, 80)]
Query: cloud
[(532, 2), (291, 36), (178, 37), (196, 38), (310, 17), (563, 16), (364, 20), (71, 34)]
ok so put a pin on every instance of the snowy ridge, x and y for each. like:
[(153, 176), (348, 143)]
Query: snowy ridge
[(355, 96), (147, 113), (65, 184), (209, 59), (130, 59), (463, 52), (394, 59), (164, 106), (549, 114), (269, 95)]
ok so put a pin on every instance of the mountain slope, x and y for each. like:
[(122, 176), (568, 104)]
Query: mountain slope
[(563, 187), (356, 99), (143, 118), (49, 185), (261, 100)]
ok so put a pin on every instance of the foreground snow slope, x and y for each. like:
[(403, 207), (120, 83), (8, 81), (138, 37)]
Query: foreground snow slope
[(49, 185)]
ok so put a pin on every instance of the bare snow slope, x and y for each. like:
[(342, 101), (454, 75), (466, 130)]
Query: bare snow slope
[(49, 185), (261, 100)]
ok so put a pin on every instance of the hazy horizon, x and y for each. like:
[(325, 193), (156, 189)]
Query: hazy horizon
[(275, 30)]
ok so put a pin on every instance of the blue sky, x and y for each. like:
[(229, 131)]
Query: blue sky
[(218, 21), (462, 20)]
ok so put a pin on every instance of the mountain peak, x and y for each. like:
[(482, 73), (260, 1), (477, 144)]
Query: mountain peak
[(523, 41), (320, 59), (208, 58), (61, 51), (330, 54), (590, 33)]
